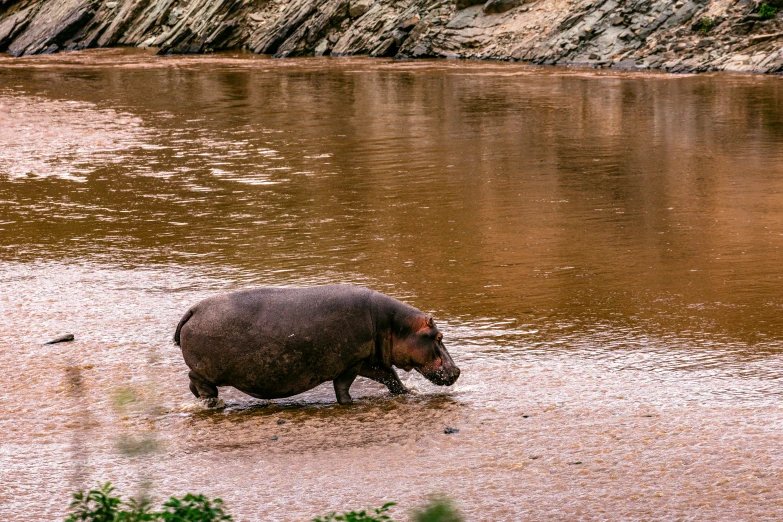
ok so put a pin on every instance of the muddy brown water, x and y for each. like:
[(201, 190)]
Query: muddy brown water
[(602, 251)]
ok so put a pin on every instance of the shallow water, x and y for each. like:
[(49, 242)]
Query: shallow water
[(601, 250)]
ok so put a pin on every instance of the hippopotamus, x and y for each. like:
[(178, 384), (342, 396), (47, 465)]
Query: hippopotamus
[(274, 342)]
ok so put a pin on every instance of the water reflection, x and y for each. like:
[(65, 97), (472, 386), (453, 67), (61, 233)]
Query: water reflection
[(484, 193), (641, 202)]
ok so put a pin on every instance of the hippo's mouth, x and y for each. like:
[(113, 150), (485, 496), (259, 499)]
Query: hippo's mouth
[(441, 377)]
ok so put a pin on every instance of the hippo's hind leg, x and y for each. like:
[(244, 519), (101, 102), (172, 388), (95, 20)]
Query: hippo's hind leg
[(343, 383), (385, 376), (203, 389)]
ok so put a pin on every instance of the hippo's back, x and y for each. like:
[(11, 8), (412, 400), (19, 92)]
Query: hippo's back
[(276, 342)]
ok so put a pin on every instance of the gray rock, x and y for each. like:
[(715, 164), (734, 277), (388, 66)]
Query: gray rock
[(763, 38), (175, 16), (463, 19), (322, 48), (359, 8), (12, 26), (399, 37), (500, 6), (626, 33), (570, 21), (387, 47), (61, 339), (301, 42), (293, 16), (53, 24), (625, 64), (409, 23), (464, 4), (618, 20), (683, 14)]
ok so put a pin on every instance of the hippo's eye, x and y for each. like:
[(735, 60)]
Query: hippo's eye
[(438, 337)]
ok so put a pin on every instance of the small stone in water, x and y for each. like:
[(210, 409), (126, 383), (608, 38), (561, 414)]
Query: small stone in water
[(577, 462), (534, 457), (449, 431), (525, 416), (62, 339), (274, 438), (281, 421)]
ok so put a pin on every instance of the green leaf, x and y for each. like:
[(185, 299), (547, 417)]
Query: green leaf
[(98, 505)]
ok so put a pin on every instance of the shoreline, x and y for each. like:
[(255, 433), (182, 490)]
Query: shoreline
[(667, 35), (148, 57)]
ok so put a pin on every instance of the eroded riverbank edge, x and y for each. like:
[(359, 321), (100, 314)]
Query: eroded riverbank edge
[(672, 35)]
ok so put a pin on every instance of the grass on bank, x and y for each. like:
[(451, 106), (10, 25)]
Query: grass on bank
[(101, 505)]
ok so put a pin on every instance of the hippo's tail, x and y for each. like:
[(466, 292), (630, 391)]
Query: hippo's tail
[(182, 322)]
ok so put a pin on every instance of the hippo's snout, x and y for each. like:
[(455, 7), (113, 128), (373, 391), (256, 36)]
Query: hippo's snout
[(444, 376), (452, 377)]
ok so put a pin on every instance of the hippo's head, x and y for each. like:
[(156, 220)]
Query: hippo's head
[(421, 348)]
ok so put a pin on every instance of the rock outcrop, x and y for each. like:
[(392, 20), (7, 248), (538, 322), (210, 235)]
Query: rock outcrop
[(675, 35)]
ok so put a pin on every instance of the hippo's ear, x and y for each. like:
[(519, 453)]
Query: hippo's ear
[(424, 324)]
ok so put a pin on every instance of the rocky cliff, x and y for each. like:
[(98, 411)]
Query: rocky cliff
[(675, 35)]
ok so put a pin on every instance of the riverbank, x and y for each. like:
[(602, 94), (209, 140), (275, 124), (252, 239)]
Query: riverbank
[(672, 35)]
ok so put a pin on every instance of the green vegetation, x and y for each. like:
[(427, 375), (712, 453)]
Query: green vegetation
[(359, 516), (438, 509), (705, 24), (99, 505), (193, 508), (96, 506), (767, 11)]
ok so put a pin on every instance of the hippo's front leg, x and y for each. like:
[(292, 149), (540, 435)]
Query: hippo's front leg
[(343, 383), (386, 376)]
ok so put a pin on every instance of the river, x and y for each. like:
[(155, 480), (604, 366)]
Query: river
[(602, 251)]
